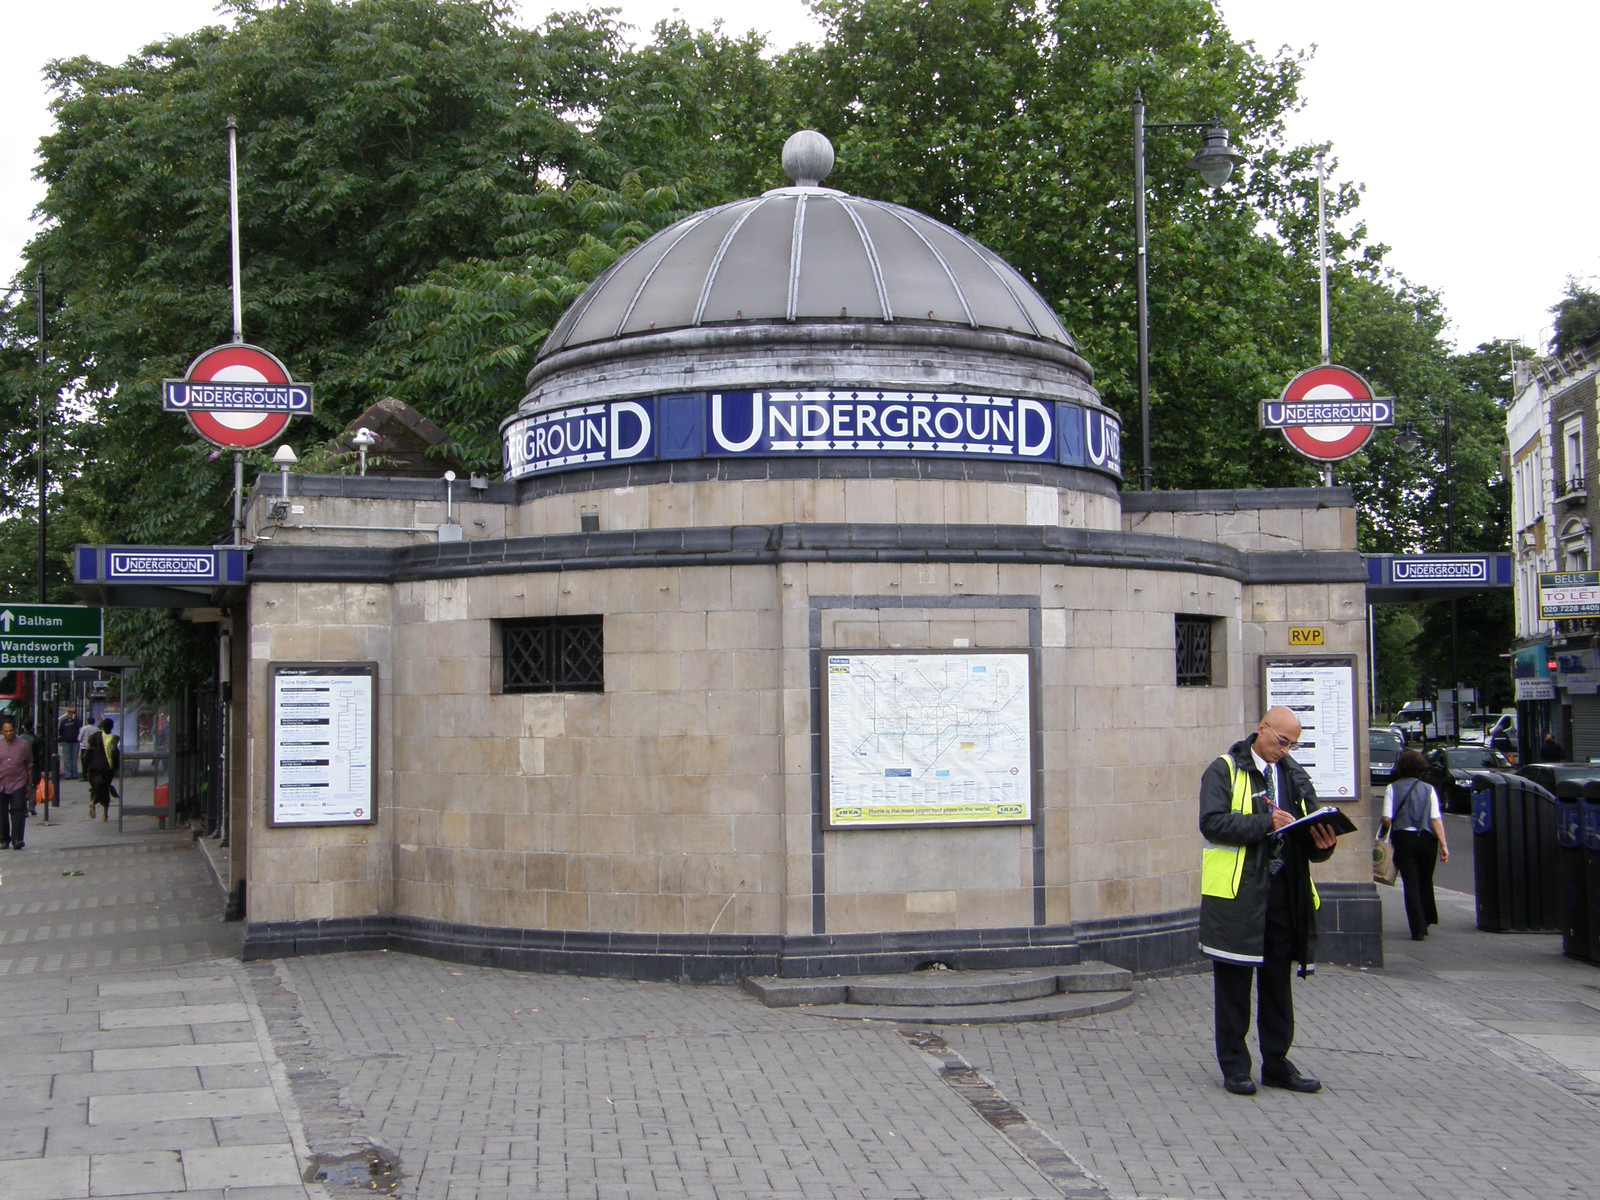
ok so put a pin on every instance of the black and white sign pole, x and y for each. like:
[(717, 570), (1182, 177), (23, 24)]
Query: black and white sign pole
[(1322, 261), (238, 314)]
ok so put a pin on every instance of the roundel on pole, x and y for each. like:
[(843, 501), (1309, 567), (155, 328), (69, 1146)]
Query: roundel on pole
[(1327, 413), (237, 396)]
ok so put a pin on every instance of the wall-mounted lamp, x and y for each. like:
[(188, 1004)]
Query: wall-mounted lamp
[(363, 438), (285, 457)]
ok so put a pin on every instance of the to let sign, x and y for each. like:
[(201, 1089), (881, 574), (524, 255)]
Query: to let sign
[(47, 636), (1569, 595)]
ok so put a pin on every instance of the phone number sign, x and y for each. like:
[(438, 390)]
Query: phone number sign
[(1569, 595)]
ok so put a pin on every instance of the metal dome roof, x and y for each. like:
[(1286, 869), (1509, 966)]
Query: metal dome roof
[(805, 253)]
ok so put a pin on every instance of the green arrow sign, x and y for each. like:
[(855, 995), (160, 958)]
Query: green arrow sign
[(47, 636)]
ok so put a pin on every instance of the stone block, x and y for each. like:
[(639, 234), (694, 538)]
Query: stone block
[(819, 501), (1008, 505), (1055, 625), (655, 913), (681, 632), (567, 910)]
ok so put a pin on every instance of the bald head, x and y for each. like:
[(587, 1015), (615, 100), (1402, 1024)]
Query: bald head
[(1277, 734)]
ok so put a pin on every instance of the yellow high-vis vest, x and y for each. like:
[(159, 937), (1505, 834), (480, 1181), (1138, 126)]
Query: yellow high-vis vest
[(1222, 867)]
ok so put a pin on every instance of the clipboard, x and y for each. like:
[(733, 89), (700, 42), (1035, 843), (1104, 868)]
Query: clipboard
[(1326, 815)]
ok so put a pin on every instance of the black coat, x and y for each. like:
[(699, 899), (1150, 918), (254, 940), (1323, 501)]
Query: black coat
[(1237, 927)]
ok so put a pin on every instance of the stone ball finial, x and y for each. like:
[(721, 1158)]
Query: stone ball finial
[(807, 158)]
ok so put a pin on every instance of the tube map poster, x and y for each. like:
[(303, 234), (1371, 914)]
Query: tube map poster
[(931, 738)]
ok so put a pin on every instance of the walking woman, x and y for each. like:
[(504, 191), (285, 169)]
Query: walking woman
[(101, 768), (1412, 821)]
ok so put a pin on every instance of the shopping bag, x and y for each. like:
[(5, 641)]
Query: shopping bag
[(1384, 869)]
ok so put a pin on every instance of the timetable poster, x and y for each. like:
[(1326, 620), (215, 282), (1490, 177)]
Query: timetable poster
[(323, 719), (1322, 693)]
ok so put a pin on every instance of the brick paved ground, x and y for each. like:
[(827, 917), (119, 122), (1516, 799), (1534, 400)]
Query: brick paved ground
[(143, 1060), (1441, 1082)]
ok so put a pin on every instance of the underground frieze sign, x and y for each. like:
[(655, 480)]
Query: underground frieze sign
[(813, 423)]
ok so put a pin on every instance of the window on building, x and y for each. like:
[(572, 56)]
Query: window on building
[(1572, 444), (1194, 649), (1573, 538), (552, 654)]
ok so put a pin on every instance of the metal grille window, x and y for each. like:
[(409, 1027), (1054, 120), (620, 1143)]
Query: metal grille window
[(1194, 651), (553, 654)]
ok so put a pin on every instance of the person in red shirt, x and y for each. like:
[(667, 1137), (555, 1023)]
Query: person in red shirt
[(16, 778)]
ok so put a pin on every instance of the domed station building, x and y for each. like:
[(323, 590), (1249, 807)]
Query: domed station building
[(808, 633)]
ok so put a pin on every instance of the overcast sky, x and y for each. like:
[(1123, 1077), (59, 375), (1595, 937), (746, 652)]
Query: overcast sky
[(1468, 124)]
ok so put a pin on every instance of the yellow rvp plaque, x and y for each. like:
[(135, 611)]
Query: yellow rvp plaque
[(1305, 635)]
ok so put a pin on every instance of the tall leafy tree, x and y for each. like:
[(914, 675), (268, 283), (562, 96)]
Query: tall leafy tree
[(426, 186), (379, 140), (1012, 121)]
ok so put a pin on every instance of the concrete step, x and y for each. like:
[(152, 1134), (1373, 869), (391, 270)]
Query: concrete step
[(1058, 1007), (935, 989)]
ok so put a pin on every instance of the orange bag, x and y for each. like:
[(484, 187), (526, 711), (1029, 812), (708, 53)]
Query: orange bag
[(45, 793)]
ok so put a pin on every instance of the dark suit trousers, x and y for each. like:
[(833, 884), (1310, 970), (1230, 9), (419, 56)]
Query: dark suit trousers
[(1274, 1001), (1416, 854)]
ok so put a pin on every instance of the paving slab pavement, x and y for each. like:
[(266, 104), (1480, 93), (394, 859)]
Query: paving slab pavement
[(146, 1060)]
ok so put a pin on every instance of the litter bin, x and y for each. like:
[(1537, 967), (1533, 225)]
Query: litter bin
[(1515, 864), (1589, 832), (1574, 871)]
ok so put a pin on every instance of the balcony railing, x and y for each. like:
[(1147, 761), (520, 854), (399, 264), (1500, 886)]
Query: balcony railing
[(1574, 488)]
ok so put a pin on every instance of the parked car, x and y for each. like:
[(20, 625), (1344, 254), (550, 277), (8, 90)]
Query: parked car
[(1451, 770), (1383, 747)]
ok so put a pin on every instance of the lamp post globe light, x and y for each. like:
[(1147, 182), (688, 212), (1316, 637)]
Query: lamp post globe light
[(1215, 163)]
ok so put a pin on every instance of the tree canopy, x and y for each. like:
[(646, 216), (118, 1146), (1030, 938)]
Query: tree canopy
[(425, 186)]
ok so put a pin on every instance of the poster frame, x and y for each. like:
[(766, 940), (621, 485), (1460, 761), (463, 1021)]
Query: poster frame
[(1348, 663), (1031, 770), (275, 671)]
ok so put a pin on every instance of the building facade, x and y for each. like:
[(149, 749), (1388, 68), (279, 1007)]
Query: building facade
[(810, 525)]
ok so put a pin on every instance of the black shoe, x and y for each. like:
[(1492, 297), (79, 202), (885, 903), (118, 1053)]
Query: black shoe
[(16, 845), (1291, 1080), (5, 845), (1240, 1085)]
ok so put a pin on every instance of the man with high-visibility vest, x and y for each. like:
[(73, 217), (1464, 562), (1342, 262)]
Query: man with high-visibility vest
[(1258, 906)]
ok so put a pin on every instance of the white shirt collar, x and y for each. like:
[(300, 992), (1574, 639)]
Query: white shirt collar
[(1262, 764)]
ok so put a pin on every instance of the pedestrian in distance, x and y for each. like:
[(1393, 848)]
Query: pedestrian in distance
[(16, 784), (1414, 824), (1258, 906), (41, 762), (67, 743), (102, 768), (90, 728), (1551, 750)]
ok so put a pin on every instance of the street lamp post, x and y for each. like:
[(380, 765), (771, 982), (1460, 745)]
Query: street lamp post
[(1215, 162)]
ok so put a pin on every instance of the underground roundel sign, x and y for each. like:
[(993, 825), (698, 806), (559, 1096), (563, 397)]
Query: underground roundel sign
[(1327, 413), (237, 396)]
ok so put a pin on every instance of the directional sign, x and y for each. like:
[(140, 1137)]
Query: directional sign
[(237, 396), (47, 636), (1327, 413)]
